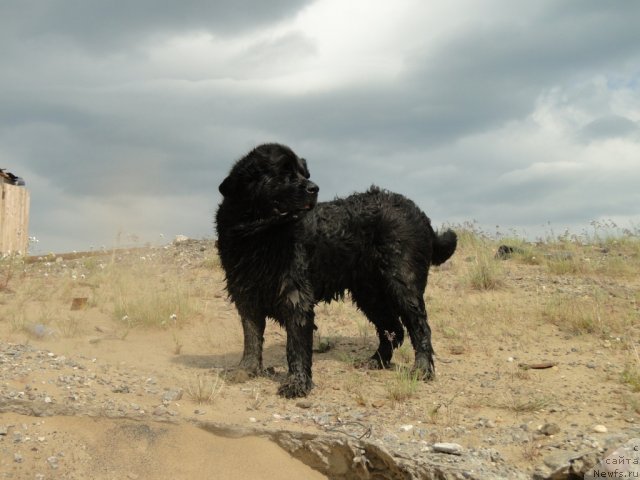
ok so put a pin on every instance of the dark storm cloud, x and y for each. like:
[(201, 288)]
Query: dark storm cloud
[(115, 24), (103, 125), (112, 155)]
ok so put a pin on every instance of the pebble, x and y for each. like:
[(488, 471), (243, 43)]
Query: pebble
[(406, 428), (449, 448), (40, 331), (560, 459), (600, 429), (486, 423), (550, 429), (160, 410), (17, 458), (180, 239), (53, 462), (172, 395)]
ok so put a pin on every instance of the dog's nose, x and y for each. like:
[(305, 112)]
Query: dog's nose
[(312, 188)]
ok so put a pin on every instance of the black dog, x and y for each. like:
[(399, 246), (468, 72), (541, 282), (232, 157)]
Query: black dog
[(282, 254)]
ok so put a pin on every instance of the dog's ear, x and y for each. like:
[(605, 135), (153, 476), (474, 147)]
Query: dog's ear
[(305, 169), (228, 187)]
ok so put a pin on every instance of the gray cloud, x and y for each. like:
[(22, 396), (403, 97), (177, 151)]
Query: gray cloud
[(273, 56), (104, 130), (480, 78), (610, 126)]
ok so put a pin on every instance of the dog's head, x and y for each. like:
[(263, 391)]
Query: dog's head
[(271, 181)]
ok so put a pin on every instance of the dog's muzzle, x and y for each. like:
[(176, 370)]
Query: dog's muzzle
[(312, 191)]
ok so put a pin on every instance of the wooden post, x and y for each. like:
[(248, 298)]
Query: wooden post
[(14, 219)]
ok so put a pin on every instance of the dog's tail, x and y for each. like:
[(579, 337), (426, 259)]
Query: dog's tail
[(443, 247)]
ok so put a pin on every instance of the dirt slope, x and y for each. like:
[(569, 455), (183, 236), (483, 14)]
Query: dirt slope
[(114, 389)]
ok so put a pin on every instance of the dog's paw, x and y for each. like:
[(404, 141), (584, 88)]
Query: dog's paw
[(295, 388), (241, 375), (425, 370), (373, 363)]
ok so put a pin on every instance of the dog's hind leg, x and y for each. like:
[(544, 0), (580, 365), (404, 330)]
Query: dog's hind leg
[(405, 294), (388, 326), (299, 352), (414, 317)]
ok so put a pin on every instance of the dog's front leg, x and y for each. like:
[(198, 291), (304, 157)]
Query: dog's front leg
[(299, 350), (253, 325)]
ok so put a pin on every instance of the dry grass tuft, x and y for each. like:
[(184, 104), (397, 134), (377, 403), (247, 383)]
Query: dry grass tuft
[(483, 271), (631, 373), (596, 313), (141, 300), (10, 267), (204, 389), (403, 385), (631, 376), (486, 272), (69, 325), (575, 314), (567, 263), (531, 449), (523, 404)]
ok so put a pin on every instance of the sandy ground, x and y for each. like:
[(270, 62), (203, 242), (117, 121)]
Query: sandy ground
[(106, 449), (122, 397)]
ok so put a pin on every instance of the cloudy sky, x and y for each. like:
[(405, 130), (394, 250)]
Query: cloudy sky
[(124, 116)]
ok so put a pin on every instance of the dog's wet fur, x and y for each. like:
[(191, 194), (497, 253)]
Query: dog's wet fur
[(283, 252)]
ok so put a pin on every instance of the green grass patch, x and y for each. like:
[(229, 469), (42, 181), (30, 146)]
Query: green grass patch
[(631, 377)]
